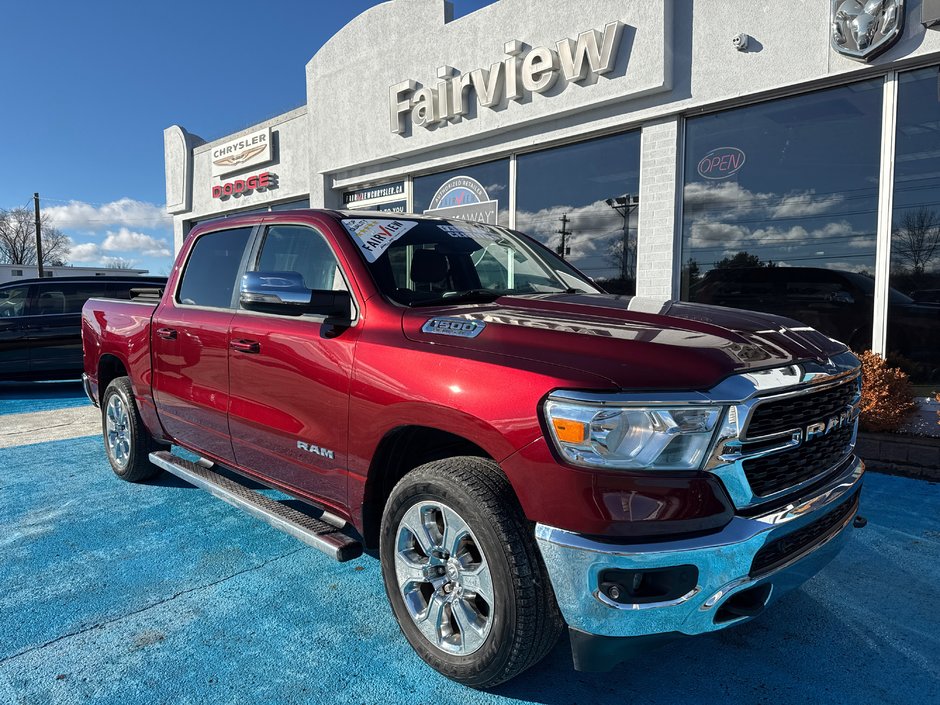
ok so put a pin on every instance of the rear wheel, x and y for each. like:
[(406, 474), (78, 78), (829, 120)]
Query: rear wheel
[(126, 439), (463, 574)]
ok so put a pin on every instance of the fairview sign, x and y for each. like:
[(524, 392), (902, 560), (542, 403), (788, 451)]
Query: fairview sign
[(511, 79)]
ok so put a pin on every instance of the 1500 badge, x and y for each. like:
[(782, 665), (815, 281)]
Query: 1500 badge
[(457, 327)]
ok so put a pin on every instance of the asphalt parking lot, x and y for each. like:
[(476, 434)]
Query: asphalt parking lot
[(158, 593)]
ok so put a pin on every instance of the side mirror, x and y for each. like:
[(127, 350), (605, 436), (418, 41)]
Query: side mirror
[(286, 293)]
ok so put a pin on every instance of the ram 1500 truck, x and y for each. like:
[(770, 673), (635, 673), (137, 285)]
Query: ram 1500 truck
[(524, 452)]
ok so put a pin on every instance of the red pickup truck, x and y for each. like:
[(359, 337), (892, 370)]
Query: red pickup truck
[(524, 452)]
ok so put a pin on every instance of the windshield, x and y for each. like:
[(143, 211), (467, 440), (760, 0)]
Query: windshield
[(424, 263)]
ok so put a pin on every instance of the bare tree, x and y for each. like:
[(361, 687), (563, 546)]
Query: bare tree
[(18, 239), (917, 240), (121, 263)]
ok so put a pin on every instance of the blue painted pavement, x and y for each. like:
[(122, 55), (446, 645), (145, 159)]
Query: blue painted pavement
[(142, 594), (26, 397)]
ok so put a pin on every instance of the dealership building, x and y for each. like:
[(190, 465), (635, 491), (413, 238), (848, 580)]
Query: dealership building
[(774, 156)]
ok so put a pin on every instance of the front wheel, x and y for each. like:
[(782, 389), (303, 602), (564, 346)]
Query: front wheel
[(126, 439), (463, 574)]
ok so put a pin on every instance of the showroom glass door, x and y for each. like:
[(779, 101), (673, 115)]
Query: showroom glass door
[(913, 340)]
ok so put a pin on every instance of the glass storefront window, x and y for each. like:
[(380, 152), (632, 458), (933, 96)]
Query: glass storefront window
[(479, 193), (590, 191), (913, 341), (780, 208)]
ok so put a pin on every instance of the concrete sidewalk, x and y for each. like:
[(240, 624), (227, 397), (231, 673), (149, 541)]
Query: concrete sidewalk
[(142, 594)]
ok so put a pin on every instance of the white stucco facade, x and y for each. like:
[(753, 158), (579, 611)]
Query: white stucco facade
[(671, 61)]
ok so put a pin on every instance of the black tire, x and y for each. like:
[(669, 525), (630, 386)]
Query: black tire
[(524, 621), (129, 458)]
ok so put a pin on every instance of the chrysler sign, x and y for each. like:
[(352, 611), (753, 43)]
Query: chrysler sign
[(243, 152), (513, 78)]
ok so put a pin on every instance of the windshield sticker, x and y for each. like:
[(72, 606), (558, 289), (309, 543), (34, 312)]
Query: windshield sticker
[(469, 231), (375, 236), (456, 327)]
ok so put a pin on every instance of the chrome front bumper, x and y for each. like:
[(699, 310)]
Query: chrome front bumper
[(724, 561)]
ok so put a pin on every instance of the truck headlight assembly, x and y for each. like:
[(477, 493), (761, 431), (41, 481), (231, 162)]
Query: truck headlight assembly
[(632, 438)]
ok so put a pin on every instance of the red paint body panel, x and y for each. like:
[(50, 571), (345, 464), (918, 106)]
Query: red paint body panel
[(295, 389), (191, 378), (344, 390)]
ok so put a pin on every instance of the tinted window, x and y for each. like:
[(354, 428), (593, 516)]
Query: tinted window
[(295, 248), (780, 202), (66, 297), (587, 195), (209, 277), (13, 301)]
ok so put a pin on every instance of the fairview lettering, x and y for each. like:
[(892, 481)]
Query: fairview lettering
[(572, 61)]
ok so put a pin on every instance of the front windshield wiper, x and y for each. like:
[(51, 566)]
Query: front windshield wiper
[(482, 295)]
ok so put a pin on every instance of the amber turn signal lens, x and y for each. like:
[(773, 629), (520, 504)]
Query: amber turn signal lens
[(569, 431)]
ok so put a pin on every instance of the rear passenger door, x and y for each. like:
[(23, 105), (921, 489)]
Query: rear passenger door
[(189, 344), (14, 348)]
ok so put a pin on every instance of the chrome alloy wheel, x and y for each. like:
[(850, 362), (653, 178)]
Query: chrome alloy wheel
[(444, 578), (118, 432)]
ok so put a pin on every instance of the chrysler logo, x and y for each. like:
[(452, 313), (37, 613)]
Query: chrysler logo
[(863, 29)]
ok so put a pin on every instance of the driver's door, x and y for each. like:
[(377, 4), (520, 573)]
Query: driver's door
[(289, 375)]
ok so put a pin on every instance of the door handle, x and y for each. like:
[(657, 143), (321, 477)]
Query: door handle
[(167, 333), (245, 346)]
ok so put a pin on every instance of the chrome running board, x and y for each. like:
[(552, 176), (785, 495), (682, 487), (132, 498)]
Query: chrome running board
[(313, 532)]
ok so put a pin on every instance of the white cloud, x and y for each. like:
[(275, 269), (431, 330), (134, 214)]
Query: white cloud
[(733, 200), (85, 252), (125, 240), (801, 205), (125, 212)]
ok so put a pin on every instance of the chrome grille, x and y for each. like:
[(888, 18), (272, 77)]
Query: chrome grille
[(778, 415), (775, 438), (770, 474)]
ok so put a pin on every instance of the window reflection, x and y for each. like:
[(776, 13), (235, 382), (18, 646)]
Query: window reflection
[(581, 201), (780, 209), (914, 320)]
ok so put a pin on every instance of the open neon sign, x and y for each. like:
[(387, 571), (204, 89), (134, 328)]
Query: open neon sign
[(720, 163)]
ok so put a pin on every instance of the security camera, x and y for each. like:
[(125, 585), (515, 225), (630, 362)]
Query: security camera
[(739, 41)]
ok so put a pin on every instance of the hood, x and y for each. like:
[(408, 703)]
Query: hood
[(636, 343)]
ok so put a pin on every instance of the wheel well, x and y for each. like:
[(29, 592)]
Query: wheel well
[(399, 452), (109, 368)]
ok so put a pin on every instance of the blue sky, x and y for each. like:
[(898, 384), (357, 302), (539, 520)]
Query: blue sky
[(90, 87)]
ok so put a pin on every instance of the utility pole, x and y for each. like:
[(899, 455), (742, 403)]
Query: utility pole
[(625, 205), (38, 234), (563, 248)]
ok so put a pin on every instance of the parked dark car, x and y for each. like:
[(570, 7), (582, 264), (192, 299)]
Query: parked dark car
[(835, 302), (41, 322), (926, 296)]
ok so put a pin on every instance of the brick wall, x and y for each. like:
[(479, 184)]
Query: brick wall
[(913, 456), (659, 179)]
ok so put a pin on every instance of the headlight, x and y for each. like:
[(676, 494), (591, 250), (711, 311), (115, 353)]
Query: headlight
[(632, 438)]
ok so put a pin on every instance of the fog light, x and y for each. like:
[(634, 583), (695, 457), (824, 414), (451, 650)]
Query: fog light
[(638, 587)]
